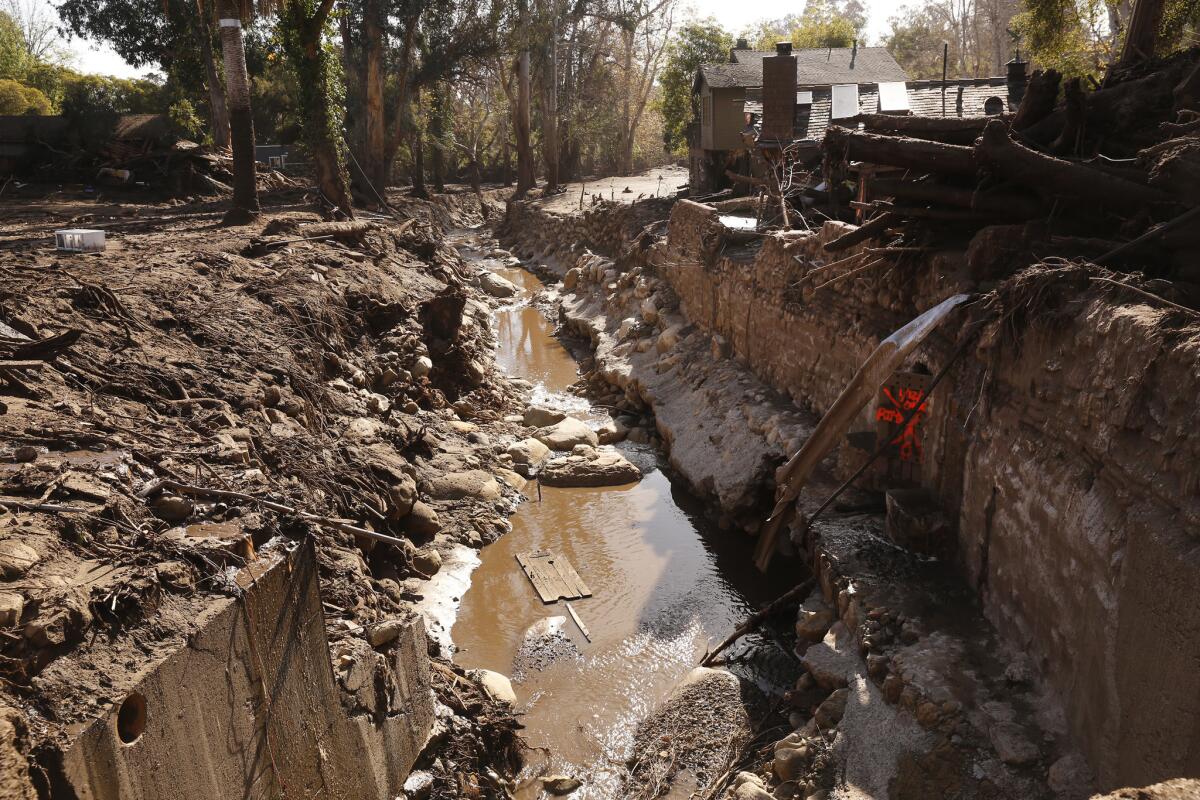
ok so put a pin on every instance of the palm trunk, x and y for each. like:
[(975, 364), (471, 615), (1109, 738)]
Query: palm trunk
[(218, 109), (241, 122)]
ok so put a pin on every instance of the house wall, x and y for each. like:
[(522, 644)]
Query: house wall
[(728, 119)]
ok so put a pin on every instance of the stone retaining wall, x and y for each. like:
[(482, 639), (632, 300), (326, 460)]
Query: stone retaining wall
[(1063, 447)]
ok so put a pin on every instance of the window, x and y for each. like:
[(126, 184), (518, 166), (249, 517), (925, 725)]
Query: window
[(845, 101), (804, 98), (893, 97)]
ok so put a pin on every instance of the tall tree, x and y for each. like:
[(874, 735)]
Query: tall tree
[(306, 38), (522, 123), (645, 27), (241, 120), (218, 107)]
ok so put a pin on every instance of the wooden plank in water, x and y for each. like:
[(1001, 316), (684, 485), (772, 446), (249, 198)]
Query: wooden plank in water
[(582, 628), (552, 576)]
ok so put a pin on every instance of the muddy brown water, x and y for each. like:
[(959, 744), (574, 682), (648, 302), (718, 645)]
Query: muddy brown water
[(665, 586)]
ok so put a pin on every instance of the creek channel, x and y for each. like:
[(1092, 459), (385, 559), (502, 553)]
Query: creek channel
[(666, 583)]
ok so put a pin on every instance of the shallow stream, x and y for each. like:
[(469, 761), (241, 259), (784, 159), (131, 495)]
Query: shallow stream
[(665, 583)]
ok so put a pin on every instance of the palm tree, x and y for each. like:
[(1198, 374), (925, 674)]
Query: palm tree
[(241, 122)]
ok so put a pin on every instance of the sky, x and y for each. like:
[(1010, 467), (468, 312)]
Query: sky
[(733, 15)]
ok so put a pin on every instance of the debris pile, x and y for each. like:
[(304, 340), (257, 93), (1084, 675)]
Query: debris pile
[(170, 406), (1108, 175)]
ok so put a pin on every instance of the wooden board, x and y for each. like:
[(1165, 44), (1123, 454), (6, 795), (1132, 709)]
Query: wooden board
[(552, 576)]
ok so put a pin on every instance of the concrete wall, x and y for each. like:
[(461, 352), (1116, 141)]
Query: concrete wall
[(251, 707)]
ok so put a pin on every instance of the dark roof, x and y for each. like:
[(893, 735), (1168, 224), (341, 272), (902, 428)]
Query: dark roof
[(825, 66), (30, 127), (729, 76), (924, 99)]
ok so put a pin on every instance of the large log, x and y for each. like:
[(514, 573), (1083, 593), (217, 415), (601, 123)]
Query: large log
[(950, 130), (1020, 205), (1053, 177), (900, 151)]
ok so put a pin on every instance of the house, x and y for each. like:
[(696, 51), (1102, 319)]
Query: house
[(790, 97), (723, 89)]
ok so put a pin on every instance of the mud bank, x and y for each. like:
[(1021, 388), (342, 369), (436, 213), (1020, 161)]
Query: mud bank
[(230, 470), (1030, 657)]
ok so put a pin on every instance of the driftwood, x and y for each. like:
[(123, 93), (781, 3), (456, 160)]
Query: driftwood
[(1191, 215), (900, 151), (342, 231), (871, 229), (1053, 177), (757, 618), (42, 349), (226, 494), (879, 366)]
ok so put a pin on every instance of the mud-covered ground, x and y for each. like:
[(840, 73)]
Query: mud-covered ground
[(194, 391)]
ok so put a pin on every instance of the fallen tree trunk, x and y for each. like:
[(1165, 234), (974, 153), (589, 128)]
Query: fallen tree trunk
[(900, 151), (868, 230), (949, 130), (1053, 177), (342, 231), (1016, 204)]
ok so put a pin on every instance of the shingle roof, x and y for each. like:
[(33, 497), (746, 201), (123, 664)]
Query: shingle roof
[(824, 66), (924, 98), (727, 76)]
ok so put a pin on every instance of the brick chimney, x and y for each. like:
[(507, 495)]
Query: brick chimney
[(1018, 79), (742, 44), (779, 94)]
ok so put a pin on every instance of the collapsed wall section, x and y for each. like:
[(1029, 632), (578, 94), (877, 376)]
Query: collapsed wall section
[(250, 706)]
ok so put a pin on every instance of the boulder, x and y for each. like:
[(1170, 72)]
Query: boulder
[(172, 507), (613, 431), (571, 279), (669, 338), (422, 520), (649, 311), (536, 417), (422, 367), (1012, 746), (470, 484), (530, 452), (832, 659), (11, 606), (498, 686), (559, 785), (16, 558), (608, 468), (566, 434), (427, 560), (496, 286), (401, 496), (830, 712)]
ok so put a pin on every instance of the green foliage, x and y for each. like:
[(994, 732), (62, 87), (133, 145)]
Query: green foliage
[(184, 119), (16, 98), (318, 69), (84, 95), (696, 44), (823, 23), (13, 58), (1065, 35)]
